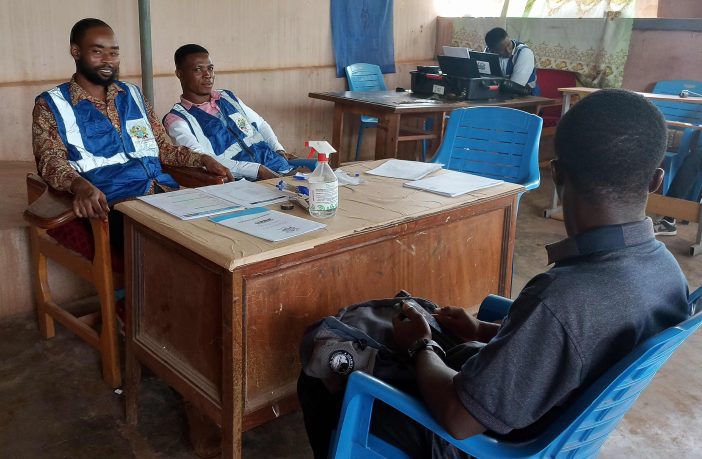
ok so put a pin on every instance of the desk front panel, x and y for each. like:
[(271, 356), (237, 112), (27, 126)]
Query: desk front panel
[(228, 341)]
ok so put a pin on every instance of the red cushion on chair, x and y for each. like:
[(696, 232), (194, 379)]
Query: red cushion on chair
[(549, 81), (78, 236)]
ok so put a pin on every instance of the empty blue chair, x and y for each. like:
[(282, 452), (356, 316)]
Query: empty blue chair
[(494, 142), (678, 111), (368, 77), (578, 433)]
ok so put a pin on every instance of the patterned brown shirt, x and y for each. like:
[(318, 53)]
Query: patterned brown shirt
[(51, 154)]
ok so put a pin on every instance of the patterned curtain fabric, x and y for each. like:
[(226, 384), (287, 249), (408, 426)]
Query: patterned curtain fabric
[(595, 49), (577, 8)]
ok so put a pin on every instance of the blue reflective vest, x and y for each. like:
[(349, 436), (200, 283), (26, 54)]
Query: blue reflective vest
[(121, 165), (230, 135), (518, 47)]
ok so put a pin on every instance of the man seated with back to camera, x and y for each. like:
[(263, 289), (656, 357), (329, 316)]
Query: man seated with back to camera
[(613, 285), (217, 123), (517, 60)]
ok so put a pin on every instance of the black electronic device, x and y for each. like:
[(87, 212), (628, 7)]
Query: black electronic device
[(459, 80), (488, 63)]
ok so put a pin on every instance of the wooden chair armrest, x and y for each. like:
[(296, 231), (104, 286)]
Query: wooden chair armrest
[(47, 208), (192, 177)]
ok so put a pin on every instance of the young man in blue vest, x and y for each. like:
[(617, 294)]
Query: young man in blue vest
[(217, 123), (517, 60), (98, 138)]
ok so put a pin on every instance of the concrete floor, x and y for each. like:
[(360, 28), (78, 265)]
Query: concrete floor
[(53, 403)]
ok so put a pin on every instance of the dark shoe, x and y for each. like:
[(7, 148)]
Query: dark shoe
[(205, 435), (665, 228)]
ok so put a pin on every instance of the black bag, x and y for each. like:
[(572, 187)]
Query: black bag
[(360, 337)]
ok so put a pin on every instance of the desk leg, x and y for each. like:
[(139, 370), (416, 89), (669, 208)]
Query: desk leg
[(337, 134), (439, 122), (232, 368), (132, 365), (131, 388), (555, 208), (387, 135)]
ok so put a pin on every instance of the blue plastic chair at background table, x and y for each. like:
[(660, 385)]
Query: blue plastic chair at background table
[(494, 142), (578, 433), (682, 112), (368, 77)]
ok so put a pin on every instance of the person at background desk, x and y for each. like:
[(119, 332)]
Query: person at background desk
[(517, 60), (97, 137), (217, 123)]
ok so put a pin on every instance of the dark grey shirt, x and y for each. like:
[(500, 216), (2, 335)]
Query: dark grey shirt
[(610, 289)]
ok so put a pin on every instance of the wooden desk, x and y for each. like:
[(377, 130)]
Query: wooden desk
[(219, 315), (390, 106), (657, 204)]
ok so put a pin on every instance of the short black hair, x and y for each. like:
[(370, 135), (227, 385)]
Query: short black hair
[(494, 37), (609, 145), (186, 50), (81, 27)]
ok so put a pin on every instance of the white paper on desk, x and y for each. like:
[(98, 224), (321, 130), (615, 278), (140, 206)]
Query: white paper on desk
[(267, 224), (408, 170), (190, 203), (247, 194), (453, 183)]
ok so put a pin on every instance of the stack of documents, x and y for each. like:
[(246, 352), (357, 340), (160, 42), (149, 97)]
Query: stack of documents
[(190, 203), (407, 170), (453, 183), (267, 224)]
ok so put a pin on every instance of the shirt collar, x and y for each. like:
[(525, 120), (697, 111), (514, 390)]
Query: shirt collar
[(604, 238), (214, 97), (78, 93)]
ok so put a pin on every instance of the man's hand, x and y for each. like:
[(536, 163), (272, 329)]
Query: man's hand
[(88, 201), (407, 332), (214, 167), (286, 155), (264, 173), (464, 325)]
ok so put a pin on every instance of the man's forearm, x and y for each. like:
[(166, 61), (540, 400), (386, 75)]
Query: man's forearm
[(435, 382)]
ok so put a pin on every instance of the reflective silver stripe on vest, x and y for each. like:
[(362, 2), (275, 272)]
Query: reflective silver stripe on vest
[(531, 84), (88, 161), (197, 130), (254, 138)]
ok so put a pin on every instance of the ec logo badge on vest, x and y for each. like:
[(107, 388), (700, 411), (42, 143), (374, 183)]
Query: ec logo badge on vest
[(243, 124), (138, 131)]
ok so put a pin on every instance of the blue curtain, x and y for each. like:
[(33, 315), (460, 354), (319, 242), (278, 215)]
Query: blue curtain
[(362, 32)]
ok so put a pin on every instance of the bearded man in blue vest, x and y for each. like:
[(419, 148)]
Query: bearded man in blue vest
[(218, 123), (517, 60), (97, 137)]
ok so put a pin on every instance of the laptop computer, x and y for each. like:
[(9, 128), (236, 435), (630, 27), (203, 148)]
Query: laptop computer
[(455, 51), (459, 67), (488, 63)]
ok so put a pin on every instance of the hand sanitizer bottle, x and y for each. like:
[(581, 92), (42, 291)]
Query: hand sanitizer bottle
[(324, 187)]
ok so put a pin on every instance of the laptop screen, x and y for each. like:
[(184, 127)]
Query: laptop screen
[(488, 63), (459, 67)]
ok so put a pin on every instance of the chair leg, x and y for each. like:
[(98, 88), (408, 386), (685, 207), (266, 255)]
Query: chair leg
[(360, 141), (102, 272), (41, 287)]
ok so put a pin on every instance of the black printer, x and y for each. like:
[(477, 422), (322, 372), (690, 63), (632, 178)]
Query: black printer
[(455, 78)]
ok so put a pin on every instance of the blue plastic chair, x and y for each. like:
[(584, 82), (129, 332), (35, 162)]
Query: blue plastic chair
[(494, 142), (579, 432), (683, 112), (368, 77)]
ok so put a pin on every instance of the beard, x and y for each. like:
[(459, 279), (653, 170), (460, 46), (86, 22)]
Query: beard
[(94, 76)]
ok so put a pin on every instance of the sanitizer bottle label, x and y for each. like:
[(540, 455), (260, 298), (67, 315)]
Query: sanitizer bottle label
[(324, 196)]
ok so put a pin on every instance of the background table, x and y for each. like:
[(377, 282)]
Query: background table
[(657, 204), (390, 106), (219, 315)]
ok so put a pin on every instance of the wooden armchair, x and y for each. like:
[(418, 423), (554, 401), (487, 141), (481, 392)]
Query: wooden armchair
[(51, 212)]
